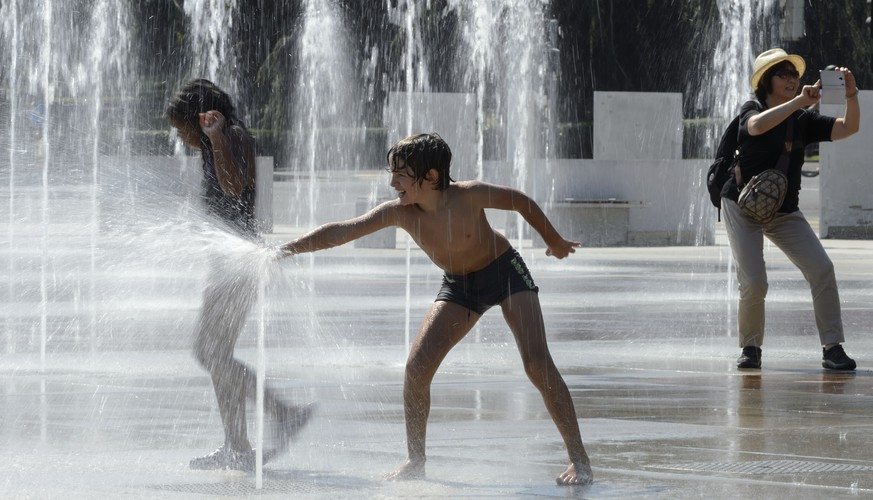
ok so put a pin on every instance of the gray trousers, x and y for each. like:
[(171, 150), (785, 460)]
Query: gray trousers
[(792, 234)]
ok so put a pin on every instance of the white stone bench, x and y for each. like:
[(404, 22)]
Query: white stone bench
[(594, 222)]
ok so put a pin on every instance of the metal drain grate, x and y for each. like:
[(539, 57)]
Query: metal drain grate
[(769, 467), (247, 488)]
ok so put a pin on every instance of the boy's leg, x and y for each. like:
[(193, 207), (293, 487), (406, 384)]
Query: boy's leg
[(443, 327), (524, 317), (229, 295), (227, 299), (288, 421)]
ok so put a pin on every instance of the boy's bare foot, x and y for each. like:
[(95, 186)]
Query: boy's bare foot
[(412, 469), (576, 474)]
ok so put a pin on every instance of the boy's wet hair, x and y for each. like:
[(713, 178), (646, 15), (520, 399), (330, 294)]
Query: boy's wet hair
[(199, 96), (420, 153)]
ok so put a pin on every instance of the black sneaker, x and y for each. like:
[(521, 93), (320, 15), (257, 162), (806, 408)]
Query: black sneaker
[(751, 357), (835, 358)]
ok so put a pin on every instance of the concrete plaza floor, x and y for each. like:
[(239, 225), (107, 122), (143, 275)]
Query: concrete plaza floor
[(643, 337)]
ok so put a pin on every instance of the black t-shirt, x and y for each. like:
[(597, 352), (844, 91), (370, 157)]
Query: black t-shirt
[(761, 152), (237, 211)]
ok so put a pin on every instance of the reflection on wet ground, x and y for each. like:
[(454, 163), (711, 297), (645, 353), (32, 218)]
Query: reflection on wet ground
[(641, 336)]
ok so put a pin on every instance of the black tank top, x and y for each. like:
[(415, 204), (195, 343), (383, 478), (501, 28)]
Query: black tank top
[(236, 211)]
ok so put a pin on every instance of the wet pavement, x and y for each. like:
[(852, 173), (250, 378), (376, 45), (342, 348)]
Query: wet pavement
[(643, 337)]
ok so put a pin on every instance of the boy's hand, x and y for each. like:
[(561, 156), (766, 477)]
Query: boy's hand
[(283, 251), (562, 249)]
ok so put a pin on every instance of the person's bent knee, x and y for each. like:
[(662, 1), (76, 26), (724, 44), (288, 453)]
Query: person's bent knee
[(203, 355), (538, 369), (209, 353), (823, 273), (415, 375), (756, 290)]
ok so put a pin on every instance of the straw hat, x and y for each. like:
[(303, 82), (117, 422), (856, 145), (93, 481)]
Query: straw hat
[(772, 57)]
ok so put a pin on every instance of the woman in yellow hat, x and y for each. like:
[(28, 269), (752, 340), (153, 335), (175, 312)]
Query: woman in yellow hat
[(764, 135)]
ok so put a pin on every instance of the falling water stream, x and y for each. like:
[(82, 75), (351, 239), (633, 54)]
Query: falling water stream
[(211, 24), (48, 93), (729, 87)]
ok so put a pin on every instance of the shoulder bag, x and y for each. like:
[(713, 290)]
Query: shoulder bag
[(761, 198)]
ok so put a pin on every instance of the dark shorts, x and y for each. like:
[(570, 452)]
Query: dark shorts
[(480, 290)]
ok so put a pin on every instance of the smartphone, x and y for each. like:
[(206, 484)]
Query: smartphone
[(833, 87)]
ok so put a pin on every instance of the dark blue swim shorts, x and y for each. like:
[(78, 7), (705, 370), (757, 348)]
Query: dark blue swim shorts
[(480, 290)]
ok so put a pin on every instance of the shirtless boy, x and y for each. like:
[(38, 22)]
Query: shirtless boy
[(447, 220)]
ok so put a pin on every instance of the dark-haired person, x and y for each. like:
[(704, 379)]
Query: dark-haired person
[(205, 119), (447, 220), (780, 98)]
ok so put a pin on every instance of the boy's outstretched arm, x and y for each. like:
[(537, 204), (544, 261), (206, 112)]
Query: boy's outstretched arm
[(339, 233), (506, 198)]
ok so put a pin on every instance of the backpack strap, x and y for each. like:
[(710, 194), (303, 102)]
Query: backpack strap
[(782, 163)]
